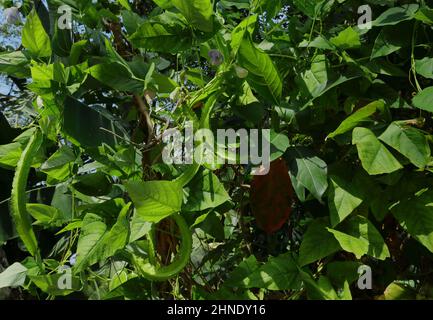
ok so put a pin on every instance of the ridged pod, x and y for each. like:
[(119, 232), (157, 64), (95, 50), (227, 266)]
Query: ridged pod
[(151, 272), (19, 212)]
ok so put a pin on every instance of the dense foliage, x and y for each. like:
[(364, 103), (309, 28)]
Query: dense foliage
[(85, 193)]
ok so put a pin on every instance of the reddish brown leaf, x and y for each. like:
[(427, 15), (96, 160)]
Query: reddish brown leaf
[(271, 197)]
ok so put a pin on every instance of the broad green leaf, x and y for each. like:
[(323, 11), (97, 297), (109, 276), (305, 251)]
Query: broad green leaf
[(199, 13), (391, 39), (139, 227), (400, 291), (14, 63), (238, 34), (116, 76), (343, 271), (93, 184), (51, 283), (343, 199), (117, 237), (409, 141), (357, 118), (205, 191), (238, 4), (415, 214), (131, 21), (96, 243), (45, 215), (319, 42), (329, 86), (279, 144), (374, 156), (92, 232), (34, 37), (309, 7), (278, 273), (125, 4), (13, 276), (424, 100), (309, 170), (263, 76), (247, 267), (396, 15), (359, 236), (59, 166), (10, 154), (86, 126), (167, 32), (315, 79), (425, 14), (317, 243), (155, 200), (423, 67), (347, 39), (321, 289)]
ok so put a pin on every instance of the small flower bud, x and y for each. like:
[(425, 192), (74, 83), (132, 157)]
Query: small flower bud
[(241, 72), (216, 58), (12, 15)]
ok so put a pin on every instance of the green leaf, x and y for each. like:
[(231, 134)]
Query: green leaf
[(93, 184), (415, 214), (360, 237), (118, 236), (315, 79), (409, 141), (279, 144), (238, 34), (199, 13), (374, 156), (343, 271), (60, 165), (34, 37), (347, 39), (205, 191), (309, 7), (117, 76), (319, 290), (400, 291), (155, 200), (84, 125), (125, 4), (344, 198), (14, 63), (238, 276), (278, 273), (10, 155), (46, 215), (167, 32), (391, 39), (49, 283), (96, 243), (424, 100), (357, 118), (396, 15), (317, 233), (425, 14), (309, 170), (329, 86), (262, 73), (92, 232), (13, 276), (424, 67)]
